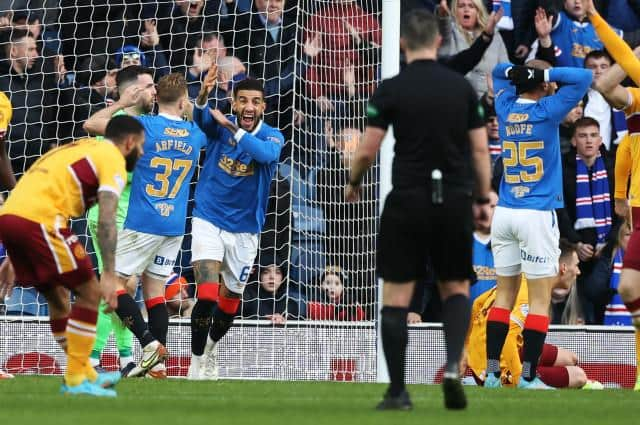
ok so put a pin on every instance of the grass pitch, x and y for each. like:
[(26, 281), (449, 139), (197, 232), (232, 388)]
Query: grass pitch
[(35, 400)]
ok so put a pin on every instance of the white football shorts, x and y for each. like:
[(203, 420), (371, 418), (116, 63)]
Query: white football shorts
[(525, 241), (236, 251), (142, 252)]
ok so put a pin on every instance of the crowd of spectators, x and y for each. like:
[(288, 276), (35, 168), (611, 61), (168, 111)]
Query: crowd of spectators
[(320, 61)]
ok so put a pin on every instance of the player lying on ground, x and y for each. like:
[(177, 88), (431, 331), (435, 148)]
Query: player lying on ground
[(557, 367)]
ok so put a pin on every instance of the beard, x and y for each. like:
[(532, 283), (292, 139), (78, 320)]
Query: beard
[(131, 160)]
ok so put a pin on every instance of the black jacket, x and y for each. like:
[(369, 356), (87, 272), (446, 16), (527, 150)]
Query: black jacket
[(567, 215)]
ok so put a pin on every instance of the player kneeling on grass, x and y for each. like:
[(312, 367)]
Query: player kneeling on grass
[(34, 227), (557, 366)]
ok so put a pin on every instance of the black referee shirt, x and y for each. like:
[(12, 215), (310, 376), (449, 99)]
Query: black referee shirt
[(431, 109)]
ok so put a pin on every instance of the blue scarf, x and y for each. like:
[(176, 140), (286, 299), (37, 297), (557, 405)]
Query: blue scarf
[(593, 206), (616, 313), (506, 22)]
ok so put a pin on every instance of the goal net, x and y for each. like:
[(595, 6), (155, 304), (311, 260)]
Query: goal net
[(319, 60)]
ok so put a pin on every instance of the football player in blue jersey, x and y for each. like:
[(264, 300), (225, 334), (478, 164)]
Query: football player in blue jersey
[(230, 206), (524, 231), (155, 224)]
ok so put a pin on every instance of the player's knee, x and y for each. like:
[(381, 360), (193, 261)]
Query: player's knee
[(577, 377), (88, 293)]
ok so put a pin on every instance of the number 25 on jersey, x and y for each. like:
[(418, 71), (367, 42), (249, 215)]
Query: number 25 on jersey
[(520, 164)]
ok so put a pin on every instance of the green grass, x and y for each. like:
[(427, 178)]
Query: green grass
[(35, 400)]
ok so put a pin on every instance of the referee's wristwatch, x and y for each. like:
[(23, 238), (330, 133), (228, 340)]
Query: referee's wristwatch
[(482, 200)]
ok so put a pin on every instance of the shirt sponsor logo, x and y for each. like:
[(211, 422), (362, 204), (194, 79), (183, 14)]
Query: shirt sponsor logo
[(163, 261), (533, 258), (515, 117), (235, 167), (176, 132)]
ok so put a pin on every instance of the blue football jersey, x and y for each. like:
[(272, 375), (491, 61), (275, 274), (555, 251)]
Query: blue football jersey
[(160, 185), (233, 190), (483, 267), (573, 40), (532, 177)]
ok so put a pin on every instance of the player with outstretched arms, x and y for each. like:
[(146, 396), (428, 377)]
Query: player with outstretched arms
[(230, 206), (34, 226), (524, 231), (627, 159), (155, 224)]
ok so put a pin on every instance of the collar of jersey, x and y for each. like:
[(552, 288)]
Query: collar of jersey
[(170, 117), (257, 129), (521, 100)]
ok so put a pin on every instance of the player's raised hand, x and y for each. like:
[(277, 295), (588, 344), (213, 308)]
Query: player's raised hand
[(150, 37), (352, 193), (313, 45), (543, 23), (589, 7), (222, 120), (7, 278), (108, 283), (443, 8), (521, 75), (493, 20), (130, 96)]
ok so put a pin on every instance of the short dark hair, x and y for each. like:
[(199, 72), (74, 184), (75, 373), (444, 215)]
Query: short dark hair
[(94, 69), (130, 74), (419, 28), (121, 126), (567, 248), (248, 84), (585, 122), (598, 54), (19, 34)]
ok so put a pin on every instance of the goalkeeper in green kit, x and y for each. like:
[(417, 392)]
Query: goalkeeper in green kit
[(108, 322)]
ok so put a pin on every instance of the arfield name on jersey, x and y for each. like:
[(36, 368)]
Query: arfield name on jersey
[(178, 145)]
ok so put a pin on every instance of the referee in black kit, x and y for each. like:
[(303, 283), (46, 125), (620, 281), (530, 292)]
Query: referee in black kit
[(441, 143)]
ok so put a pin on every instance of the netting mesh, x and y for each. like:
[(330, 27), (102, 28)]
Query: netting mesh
[(308, 351), (319, 60)]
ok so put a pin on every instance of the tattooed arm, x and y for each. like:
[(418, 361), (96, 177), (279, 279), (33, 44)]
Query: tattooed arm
[(107, 238)]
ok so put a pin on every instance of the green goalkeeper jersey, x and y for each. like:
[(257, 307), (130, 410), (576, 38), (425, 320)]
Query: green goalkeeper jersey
[(121, 213)]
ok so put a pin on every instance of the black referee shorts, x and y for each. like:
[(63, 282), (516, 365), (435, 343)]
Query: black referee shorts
[(413, 231)]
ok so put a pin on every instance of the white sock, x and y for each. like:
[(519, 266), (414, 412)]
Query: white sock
[(196, 361), (124, 361)]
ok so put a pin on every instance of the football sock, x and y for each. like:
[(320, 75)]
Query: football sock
[(124, 340), (456, 311), (534, 333), (59, 329), (497, 329), (200, 324), (555, 376), (223, 314), (394, 342), (103, 330), (130, 315), (158, 319), (81, 334)]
